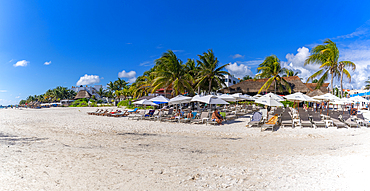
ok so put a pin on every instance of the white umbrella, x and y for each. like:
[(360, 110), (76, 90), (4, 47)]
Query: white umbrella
[(160, 99), (358, 99), (326, 97), (274, 96), (240, 97), (180, 99), (257, 96), (298, 97), (227, 97), (269, 101), (144, 102), (209, 99)]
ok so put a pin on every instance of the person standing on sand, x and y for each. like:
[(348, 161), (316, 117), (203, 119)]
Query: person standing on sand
[(217, 117)]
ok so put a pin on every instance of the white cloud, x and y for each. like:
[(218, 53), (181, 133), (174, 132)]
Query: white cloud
[(47, 63), (239, 71), (88, 79), (146, 63), (21, 63), (250, 62), (125, 74), (178, 51), (132, 80), (2, 91), (237, 56), (11, 60), (296, 63), (17, 97)]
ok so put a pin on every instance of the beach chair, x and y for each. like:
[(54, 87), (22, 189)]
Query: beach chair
[(256, 120), (362, 120), (203, 115), (305, 121), (335, 118), (133, 111), (316, 119), (347, 120), (138, 115), (270, 123), (93, 112), (286, 119)]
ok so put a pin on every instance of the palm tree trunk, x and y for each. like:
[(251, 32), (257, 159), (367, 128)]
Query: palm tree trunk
[(332, 77), (198, 90), (341, 83), (275, 86), (209, 86)]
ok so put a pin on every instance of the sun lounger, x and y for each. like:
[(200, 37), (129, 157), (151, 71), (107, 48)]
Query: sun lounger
[(350, 123), (256, 120), (286, 119), (317, 120), (119, 114), (305, 121), (270, 123), (362, 120), (134, 111), (92, 113), (334, 116), (203, 115)]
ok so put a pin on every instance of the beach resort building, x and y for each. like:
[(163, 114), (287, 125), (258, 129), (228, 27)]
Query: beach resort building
[(92, 90), (252, 86), (230, 80)]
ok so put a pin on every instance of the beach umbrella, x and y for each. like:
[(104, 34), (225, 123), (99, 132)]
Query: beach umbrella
[(144, 102), (326, 97), (299, 97), (240, 97), (269, 101), (274, 96), (227, 97), (209, 99), (257, 96), (180, 99), (159, 99)]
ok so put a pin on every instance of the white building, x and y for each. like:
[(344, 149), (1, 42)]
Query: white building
[(91, 90), (230, 80)]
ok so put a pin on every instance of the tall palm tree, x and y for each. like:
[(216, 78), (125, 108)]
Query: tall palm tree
[(120, 84), (341, 67), (101, 92), (170, 72), (367, 86), (327, 55), (193, 68), (210, 72), (289, 73), (271, 68), (112, 86)]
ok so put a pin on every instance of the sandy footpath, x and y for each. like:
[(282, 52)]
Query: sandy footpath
[(66, 149)]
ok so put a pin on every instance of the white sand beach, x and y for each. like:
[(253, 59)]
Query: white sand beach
[(66, 149)]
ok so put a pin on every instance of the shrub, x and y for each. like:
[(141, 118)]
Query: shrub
[(124, 103)]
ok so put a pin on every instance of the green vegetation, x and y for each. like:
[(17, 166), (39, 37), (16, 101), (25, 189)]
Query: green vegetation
[(80, 103), (271, 68), (52, 95), (327, 56)]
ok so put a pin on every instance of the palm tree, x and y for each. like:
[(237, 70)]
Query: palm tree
[(112, 86), (120, 84), (289, 73), (367, 86), (209, 71), (327, 55), (247, 77), (101, 92), (271, 68), (341, 67), (193, 68), (170, 72)]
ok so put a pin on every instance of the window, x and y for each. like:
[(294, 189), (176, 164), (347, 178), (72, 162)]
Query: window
[(233, 82), (230, 80)]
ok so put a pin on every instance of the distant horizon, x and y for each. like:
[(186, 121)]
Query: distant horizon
[(48, 44)]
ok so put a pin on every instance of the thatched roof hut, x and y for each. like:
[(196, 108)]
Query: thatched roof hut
[(316, 92), (83, 94), (323, 88), (251, 87)]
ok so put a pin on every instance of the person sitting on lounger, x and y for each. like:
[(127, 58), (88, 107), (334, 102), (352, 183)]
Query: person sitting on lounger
[(189, 115), (217, 117)]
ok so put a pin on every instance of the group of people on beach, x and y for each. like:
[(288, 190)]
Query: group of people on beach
[(215, 116)]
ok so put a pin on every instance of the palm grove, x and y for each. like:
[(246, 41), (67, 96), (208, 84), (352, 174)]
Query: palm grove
[(207, 75)]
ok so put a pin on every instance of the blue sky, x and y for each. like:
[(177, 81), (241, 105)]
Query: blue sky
[(44, 44)]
